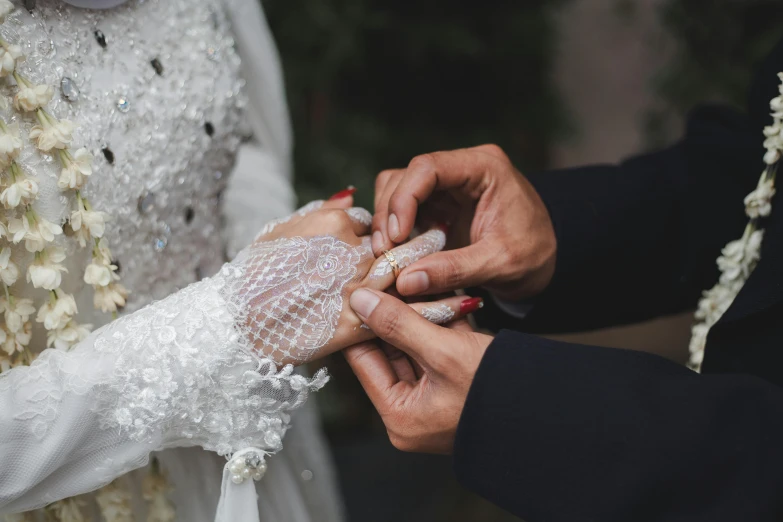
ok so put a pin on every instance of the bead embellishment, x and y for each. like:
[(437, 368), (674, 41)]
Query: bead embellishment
[(123, 105), (247, 465), (100, 38), (157, 66), (69, 89)]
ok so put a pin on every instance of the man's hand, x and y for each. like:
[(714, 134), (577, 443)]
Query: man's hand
[(419, 388), (508, 240)]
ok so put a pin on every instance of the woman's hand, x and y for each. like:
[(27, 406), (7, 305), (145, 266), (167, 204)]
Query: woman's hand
[(300, 268)]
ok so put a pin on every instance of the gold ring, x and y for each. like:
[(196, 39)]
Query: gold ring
[(393, 262)]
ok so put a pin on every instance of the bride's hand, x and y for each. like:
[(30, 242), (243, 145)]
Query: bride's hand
[(300, 270)]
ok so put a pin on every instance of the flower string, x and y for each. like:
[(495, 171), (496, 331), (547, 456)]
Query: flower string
[(738, 258), (21, 223), (19, 191)]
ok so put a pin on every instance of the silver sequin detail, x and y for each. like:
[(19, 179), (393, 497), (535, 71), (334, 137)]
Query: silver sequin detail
[(147, 203), (159, 145), (69, 89), (123, 105)]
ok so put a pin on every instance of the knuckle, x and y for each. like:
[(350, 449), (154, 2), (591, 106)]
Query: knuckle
[(387, 323), (450, 271), (423, 164), (494, 150), (334, 219), (383, 178)]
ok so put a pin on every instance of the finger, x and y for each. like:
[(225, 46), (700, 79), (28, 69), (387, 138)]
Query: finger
[(361, 219), (296, 216), (447, 310), (398, 324), (372, 368), (381, 274), (400, 363), (385, 184), (447, 271), (465, 170), (463, 325)]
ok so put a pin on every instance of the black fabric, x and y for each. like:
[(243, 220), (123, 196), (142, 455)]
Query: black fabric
[(554, 431)]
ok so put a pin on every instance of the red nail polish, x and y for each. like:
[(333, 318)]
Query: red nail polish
[(350, 191), (469, 306), (443, 226)]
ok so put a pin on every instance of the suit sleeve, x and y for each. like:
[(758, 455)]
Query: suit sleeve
[(639, 239), (553, 432)]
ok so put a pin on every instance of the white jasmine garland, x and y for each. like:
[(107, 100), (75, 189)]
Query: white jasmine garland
[(99, 274), (114, 502), (9, 272), (46, 271), (67, 336), (76, 169), (18, 341), (109, 298), (759, 202), (739, 258), (67, 510), (6, 8), (16, 312), (51, 133), (33, 97), (87, 223), (10, 143), (34, 230), (9, 55), (22, 191), (57, 311)]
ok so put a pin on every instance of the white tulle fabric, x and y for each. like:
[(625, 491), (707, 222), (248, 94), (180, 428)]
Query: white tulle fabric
[(198, 368)]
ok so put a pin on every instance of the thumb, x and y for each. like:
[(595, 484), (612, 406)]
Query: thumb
[(448, 271), (398, 324)]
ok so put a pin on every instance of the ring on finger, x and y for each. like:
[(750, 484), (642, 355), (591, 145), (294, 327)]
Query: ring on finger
[(392, 262)]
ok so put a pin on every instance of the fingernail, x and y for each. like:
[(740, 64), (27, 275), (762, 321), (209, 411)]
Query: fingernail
[(414, 283), (364, 302), (468, 306), (394, 227), (350, 191), (377, 241)]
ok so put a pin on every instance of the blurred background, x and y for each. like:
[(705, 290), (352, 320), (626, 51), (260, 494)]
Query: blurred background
[(372, 83)]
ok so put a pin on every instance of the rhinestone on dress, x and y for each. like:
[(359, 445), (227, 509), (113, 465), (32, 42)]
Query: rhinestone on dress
[(100, 38), (123, 104), (108, 154), (253, 461), (147, 202), (157, 66), (161, 243), (69, 89)]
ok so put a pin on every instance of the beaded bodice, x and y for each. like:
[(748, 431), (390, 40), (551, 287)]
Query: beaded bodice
[(154, 89)]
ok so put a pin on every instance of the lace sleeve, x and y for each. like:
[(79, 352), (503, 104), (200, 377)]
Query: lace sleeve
[(185, 371)]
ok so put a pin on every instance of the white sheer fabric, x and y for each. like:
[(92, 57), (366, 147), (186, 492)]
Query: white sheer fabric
[(183, 371)]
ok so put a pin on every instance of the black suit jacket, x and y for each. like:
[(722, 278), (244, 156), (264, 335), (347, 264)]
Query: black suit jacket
[(554, 431)]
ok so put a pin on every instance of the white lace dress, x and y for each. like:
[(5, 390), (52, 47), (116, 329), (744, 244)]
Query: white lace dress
[(191, 149)]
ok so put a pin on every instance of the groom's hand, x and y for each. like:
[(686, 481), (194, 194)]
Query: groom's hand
[(501, 232), (419, 381)]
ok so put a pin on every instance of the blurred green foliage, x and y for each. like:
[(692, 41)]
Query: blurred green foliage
[(718, 46), (371, 83)]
